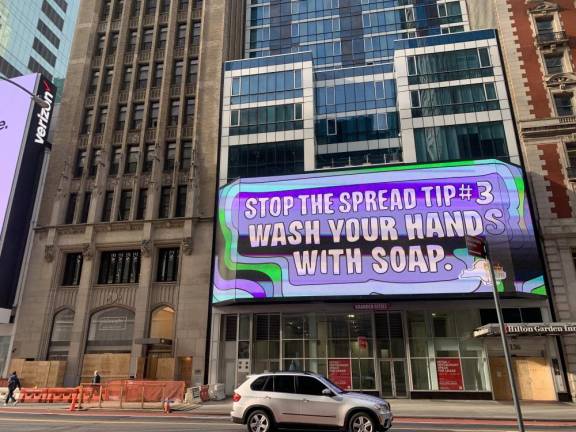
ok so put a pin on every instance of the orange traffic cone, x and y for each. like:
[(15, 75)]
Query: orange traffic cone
[(167, 409), (73, 404)]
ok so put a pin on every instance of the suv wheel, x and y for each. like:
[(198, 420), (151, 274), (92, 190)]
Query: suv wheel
[(259, 421), (361, 422)]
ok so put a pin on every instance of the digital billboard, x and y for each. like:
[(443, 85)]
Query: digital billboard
[(24, 128), (381, 231), (15, 107)]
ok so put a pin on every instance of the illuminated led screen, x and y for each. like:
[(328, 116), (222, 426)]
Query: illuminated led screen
[(15, 107), (384, 231)]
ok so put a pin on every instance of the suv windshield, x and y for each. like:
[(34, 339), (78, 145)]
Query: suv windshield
[(336, 389)]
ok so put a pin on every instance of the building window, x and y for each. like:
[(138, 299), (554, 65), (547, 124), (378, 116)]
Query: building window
[(119, 267), (267, 119), (196, 32), (88, 118), (94, 82), (102, 119), (80, 162), (107, 84), (174, 113), (158, 74), (86, 207), (167, 265), (107, 206), (127, 78), (571, 153), (331, 126), (142, 201), (61, 335), (177, 73), (170, 157), (153, 116), (545, 27), (115, 157), (181, 196), (554, 63), (150, 6), (461, 142), (162, 38), (137, 116), (181, 36), (72, 269), (122, 116), (164, 209), (450, 66), (71, 208), (118, 10), (100, 44), (149, 157), (265, 159), (125, 205), (147, 38), (192, 76), (132, 41), (142, 76), (111, 331), (113, 43), (189, 112), (183, 5), (563, 102), (186, 155)]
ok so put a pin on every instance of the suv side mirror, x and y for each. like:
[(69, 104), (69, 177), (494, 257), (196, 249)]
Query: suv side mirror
[(327, 392)]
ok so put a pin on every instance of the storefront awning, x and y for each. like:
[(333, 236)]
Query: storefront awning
[(528, 329)]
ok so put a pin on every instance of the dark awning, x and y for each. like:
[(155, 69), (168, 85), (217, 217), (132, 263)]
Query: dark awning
[(528, 329)]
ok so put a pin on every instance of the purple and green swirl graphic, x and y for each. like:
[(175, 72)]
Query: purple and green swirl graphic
[(382, 231)]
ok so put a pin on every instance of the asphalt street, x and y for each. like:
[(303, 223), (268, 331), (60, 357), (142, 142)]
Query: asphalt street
[(97, 423)]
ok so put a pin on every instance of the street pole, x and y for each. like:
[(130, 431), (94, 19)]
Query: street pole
[(505, 346), (37, 99)]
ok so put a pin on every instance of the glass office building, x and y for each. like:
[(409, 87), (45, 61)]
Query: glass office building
[(346, 83), (36, 36), (362, 82)]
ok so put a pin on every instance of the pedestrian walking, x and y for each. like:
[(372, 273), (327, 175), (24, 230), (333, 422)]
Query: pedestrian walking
[(13, 384), (96, 378)]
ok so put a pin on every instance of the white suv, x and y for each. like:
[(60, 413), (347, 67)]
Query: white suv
[(295, 399)]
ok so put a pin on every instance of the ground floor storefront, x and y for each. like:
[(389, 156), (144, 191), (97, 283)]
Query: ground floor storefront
[(397, 350)]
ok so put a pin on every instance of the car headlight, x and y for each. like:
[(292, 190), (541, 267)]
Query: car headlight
[(383, 407)]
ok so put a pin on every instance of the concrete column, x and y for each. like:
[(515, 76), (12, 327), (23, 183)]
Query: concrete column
[(141, 307), (81, 323)]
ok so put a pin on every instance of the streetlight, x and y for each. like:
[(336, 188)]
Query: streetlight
[(35, 98)]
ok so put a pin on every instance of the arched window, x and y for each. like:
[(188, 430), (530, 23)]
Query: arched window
[(111, 330), (162, 323), (61, 335)]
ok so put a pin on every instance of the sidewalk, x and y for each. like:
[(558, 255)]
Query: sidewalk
[(446, 409)]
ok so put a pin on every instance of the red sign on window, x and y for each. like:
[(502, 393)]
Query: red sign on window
[(340, 373), (449, 374)]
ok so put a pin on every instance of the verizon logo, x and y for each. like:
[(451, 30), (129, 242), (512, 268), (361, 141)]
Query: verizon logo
[(44, 116)]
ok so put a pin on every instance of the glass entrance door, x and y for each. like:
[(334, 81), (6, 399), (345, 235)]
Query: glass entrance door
[(391, 354)]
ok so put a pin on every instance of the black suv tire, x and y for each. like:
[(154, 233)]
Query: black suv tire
[(260, 421), (362, 422)]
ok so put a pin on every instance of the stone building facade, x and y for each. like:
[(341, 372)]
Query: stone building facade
[(120, 269), (539, 49)]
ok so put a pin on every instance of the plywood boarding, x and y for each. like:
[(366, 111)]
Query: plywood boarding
[(39, 373), (165, 369), (535, 380), (110, 366), (499, 375)]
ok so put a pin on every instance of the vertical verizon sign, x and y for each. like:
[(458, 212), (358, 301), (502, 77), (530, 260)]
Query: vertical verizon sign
[(24, 128)]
